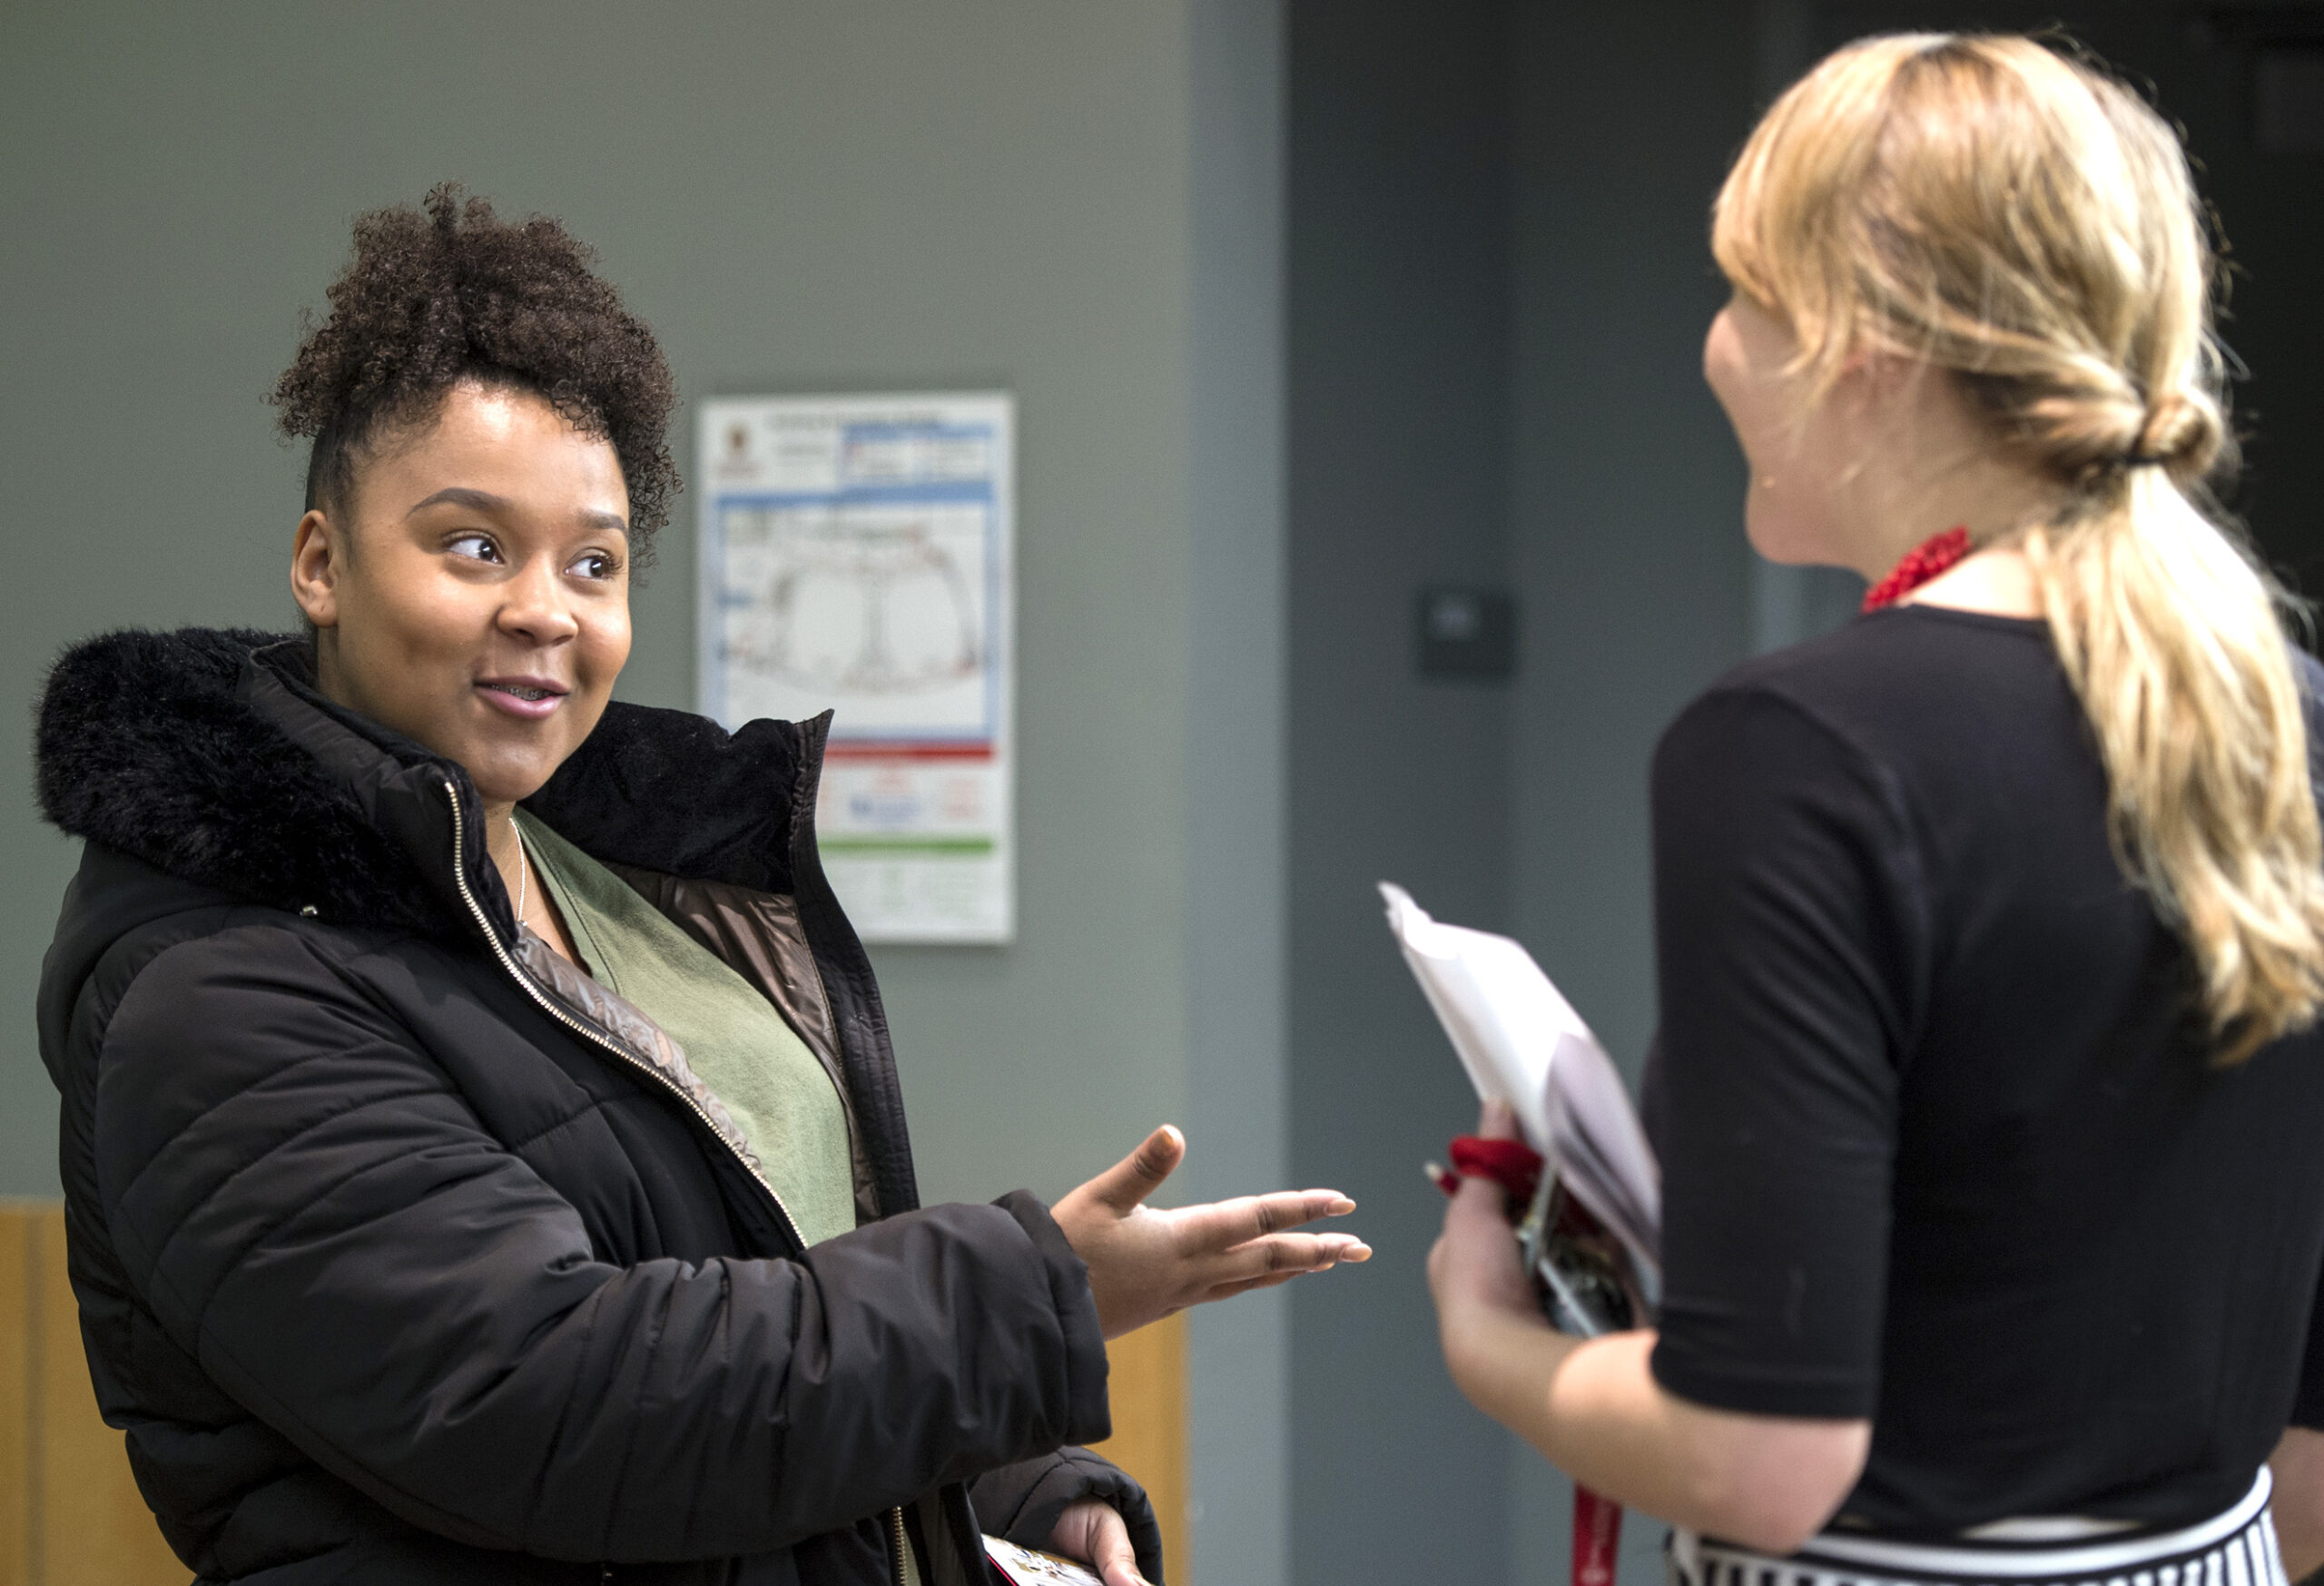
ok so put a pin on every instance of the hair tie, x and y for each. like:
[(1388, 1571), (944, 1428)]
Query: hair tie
[(2102, 470)]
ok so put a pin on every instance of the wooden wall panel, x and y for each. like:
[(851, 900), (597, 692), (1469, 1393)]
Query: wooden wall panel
[(1147, 1383), (18, 1429), (94, 1526), (70, 1512)]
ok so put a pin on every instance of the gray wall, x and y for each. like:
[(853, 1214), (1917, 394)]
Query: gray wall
[(1238, 1386), (798, 198), (1627, 532), (1399, 417), (1499, 289), (824, 194), (1628, 496)]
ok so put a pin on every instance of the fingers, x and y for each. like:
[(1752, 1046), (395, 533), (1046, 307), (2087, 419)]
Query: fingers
[(1093, 1531), (1222, 1225), (1279, 1259), (1227, 1291), (1116, 1559), (1478, 1198), (1124, 1185), (1287, 1255), (1475, 1260), (1497, 1121)]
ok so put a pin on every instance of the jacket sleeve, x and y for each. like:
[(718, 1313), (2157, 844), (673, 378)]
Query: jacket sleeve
[(314, 1212), (1022, 1503)]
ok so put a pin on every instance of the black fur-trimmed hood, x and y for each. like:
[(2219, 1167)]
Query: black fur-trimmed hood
[(146, 744), (208, 754)]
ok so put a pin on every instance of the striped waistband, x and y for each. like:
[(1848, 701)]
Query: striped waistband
[(2234, 1548)]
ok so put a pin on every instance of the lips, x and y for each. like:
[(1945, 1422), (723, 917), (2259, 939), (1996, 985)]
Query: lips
[(529, 698)]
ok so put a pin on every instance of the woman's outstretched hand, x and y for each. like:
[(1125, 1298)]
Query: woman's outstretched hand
[(1145, 1264)]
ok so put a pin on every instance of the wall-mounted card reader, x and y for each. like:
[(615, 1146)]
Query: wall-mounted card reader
[(1466, 633)]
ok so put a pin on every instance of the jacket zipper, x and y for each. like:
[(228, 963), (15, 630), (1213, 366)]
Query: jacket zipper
[(589, 1032)]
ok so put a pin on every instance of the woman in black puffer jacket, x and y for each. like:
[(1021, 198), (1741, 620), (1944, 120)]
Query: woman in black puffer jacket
[(407, 1250)]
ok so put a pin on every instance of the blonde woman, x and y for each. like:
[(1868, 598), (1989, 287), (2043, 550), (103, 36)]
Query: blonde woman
[(1988, 1089)]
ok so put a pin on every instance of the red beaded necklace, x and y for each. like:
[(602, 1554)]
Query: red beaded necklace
[(1936, 555)]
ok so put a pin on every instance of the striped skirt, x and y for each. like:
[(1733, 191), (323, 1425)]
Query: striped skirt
[(2237, 1547)]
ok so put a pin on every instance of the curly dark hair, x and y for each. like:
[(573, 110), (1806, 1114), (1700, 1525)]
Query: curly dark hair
[(432, 299)]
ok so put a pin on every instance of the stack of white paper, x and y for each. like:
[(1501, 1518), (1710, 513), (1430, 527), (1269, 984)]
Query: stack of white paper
[(1523, 1043)]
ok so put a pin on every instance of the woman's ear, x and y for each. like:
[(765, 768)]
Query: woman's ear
[(1878, 380), (318, 560)]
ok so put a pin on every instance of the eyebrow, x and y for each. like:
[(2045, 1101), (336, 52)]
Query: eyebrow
[(485, 501)]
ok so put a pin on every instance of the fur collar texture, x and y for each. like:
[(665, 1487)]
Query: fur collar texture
[(207, 754), (146, 746)]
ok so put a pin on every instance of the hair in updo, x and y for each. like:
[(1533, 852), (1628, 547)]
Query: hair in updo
[(2017, 219), (450, 292)]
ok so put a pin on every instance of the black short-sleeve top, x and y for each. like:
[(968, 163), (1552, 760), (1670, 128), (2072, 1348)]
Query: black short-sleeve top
[(1941, 1141)]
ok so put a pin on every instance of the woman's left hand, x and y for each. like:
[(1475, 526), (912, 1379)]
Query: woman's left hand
[(1092, 1532), (1479, 1284)]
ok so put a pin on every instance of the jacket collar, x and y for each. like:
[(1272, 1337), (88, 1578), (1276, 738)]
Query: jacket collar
[(211, 755)]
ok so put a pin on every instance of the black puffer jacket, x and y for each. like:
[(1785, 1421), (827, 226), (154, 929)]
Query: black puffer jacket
[(400, 1258)]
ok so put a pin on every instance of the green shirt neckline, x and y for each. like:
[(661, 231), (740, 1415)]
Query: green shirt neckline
[(781, 1097)]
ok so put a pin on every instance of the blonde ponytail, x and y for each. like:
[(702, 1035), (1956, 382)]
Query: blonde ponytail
[(2021, 220)]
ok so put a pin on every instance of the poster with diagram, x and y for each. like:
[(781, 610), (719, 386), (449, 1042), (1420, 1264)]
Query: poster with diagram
[(855, 556)]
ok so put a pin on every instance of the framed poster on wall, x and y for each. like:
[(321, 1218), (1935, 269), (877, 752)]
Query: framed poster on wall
[(856, 557)]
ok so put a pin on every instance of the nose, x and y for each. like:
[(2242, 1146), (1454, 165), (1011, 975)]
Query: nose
[(537, 606)]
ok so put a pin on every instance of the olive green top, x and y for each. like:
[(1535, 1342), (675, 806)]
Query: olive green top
[(780, 1099)]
